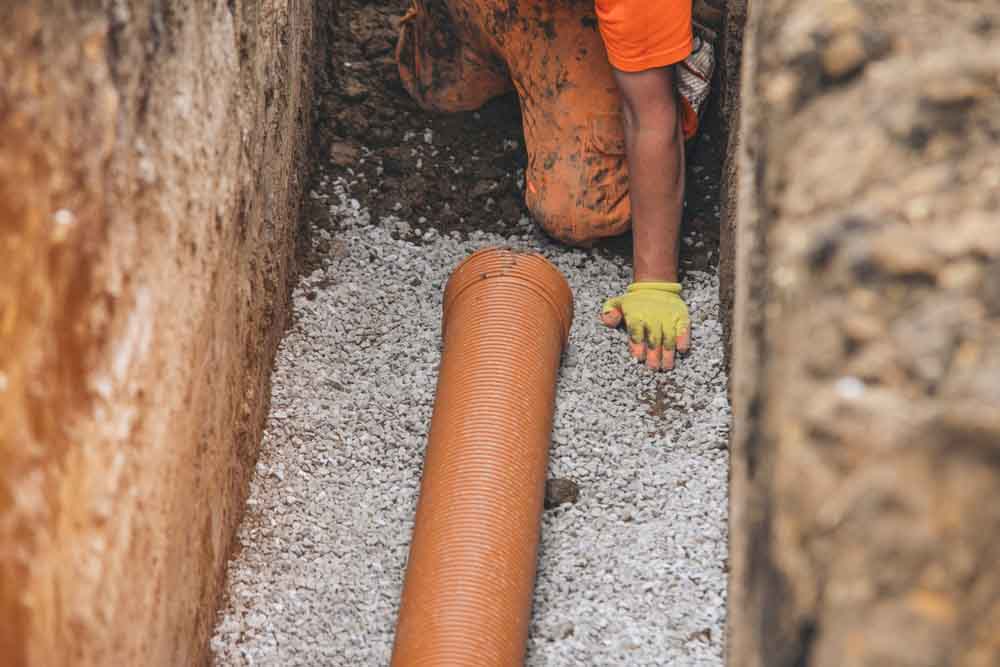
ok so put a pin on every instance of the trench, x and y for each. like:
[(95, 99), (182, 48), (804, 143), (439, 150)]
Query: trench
[(633, 562)]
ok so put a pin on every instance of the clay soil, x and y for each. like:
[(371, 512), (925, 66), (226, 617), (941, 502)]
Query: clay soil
[(460, 172)]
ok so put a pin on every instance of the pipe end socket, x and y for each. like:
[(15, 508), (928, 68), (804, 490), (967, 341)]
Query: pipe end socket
[(518, 269)]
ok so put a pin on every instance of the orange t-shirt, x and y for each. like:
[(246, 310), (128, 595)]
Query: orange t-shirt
[(643, 34)]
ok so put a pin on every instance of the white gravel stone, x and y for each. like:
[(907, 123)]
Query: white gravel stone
[(632, 574)]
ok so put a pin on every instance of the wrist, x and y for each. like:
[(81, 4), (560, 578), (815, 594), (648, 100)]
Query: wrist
[(655, 278), (655, 286), (654, 266), (643, 274)]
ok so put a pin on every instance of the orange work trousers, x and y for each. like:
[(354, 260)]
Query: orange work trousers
[(455, 55)]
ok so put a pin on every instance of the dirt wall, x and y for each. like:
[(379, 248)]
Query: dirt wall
[(733, 24), (865, 530), (150, 161)]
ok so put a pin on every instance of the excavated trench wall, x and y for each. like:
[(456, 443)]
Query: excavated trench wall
[(865, 528), (150, 171)]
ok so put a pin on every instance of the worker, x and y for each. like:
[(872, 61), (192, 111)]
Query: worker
[(604, 125), (647, 42)]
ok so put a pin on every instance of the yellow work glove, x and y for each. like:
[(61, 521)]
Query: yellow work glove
[(656, 319)]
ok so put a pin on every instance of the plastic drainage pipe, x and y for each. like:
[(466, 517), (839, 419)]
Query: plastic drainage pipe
[(470, 575)]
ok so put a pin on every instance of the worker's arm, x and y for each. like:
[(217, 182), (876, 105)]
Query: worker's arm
[(654, 314)]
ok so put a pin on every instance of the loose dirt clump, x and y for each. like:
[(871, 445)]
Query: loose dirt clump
[(560, 491)]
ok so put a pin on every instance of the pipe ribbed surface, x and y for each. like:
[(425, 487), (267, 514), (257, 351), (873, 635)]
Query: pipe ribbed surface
[(470, 575)]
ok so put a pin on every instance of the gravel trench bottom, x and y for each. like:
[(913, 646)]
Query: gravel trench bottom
[(633, 573)]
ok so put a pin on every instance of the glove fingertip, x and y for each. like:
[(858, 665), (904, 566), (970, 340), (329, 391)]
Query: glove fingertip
[(683, 340), (611, 318)]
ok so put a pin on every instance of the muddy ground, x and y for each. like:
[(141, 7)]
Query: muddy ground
[(461, 172)]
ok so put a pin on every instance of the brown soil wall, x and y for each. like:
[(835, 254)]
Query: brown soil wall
[(734, 18), (150, 173), (865, 460)]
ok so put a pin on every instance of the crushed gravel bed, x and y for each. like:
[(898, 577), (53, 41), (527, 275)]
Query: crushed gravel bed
[(633, 573)]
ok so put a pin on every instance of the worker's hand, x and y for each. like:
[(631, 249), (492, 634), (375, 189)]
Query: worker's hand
[(656, 318)]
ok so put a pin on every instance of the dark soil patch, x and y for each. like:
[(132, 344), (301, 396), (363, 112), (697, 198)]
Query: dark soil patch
[(458, 172)]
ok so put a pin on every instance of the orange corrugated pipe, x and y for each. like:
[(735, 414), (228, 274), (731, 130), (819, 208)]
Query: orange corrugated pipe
[(469, 581)]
